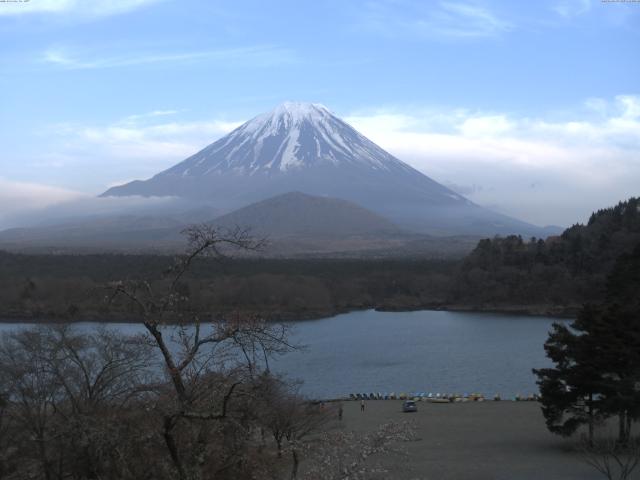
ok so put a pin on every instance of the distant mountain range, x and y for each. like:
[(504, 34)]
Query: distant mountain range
[(300, 176), (293, 224), (303, 147)]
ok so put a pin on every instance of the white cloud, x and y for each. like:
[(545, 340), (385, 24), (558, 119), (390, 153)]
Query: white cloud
[(140, 144), (447, 19), (485, 125), (33, 204), (467, 20), (629, 105), (254, 56), (20, 197), (539, 170), (15, 194), (572, 8), (83, 8), (149, 115)]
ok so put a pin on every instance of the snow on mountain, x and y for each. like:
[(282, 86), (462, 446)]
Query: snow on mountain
[(304, 147), (293, 135)]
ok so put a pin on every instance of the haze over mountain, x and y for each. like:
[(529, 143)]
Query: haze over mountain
[(300, 224), (303, 147), (294, 224), (299, 214), (298, 175), (132, 233)]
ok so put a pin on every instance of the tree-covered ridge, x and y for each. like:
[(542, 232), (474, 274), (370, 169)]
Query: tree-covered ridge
[(39, 287), (609, 233), (553, 276), (564, 270)]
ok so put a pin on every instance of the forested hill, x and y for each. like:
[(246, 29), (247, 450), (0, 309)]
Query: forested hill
[(552, 276), (557, 273)]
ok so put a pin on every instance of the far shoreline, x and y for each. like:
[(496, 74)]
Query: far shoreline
[(560, 312)]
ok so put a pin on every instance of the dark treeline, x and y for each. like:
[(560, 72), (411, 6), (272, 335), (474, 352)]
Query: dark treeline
[(556, 275), (68, 286)]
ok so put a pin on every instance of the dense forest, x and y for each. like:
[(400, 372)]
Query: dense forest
[(556, 275), (72, 286)]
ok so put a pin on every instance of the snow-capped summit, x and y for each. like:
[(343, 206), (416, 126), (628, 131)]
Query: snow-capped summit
[(303, 147), (296, 112), (291, 136)]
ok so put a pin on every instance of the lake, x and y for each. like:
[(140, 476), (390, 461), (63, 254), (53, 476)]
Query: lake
[(422, 351)]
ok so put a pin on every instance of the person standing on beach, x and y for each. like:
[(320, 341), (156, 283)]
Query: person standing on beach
[(362, 405), (340, 412)]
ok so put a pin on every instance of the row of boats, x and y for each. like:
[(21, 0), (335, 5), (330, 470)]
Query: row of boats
[(438, 397)]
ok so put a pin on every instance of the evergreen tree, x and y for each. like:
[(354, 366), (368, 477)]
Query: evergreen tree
[(597, 359), (619, 328), (570, 391)]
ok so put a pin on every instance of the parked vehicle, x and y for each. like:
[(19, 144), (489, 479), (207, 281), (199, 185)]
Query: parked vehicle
[(409, 406)]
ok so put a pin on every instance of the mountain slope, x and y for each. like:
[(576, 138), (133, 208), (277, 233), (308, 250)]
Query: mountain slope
[(299, 214), (303, 147)]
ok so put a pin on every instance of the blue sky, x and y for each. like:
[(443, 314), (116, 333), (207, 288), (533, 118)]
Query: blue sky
[(531, 108)]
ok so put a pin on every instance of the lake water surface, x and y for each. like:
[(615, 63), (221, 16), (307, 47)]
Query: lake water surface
[(422, 351)]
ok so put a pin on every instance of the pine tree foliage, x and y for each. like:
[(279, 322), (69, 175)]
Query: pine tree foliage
[(596, 371), (564, 270)]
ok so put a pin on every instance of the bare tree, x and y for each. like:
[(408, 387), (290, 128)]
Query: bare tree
[(306, 420), (184, 400), (67, 391), (210, 363), (291, 419), (32, 389), (612, 459), (6, 449), (100, 375)]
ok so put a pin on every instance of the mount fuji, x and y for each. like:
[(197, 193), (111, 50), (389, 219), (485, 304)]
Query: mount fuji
[(303, 147)]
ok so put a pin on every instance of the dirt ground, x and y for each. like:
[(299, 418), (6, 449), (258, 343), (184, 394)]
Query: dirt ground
[(479, 441)]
